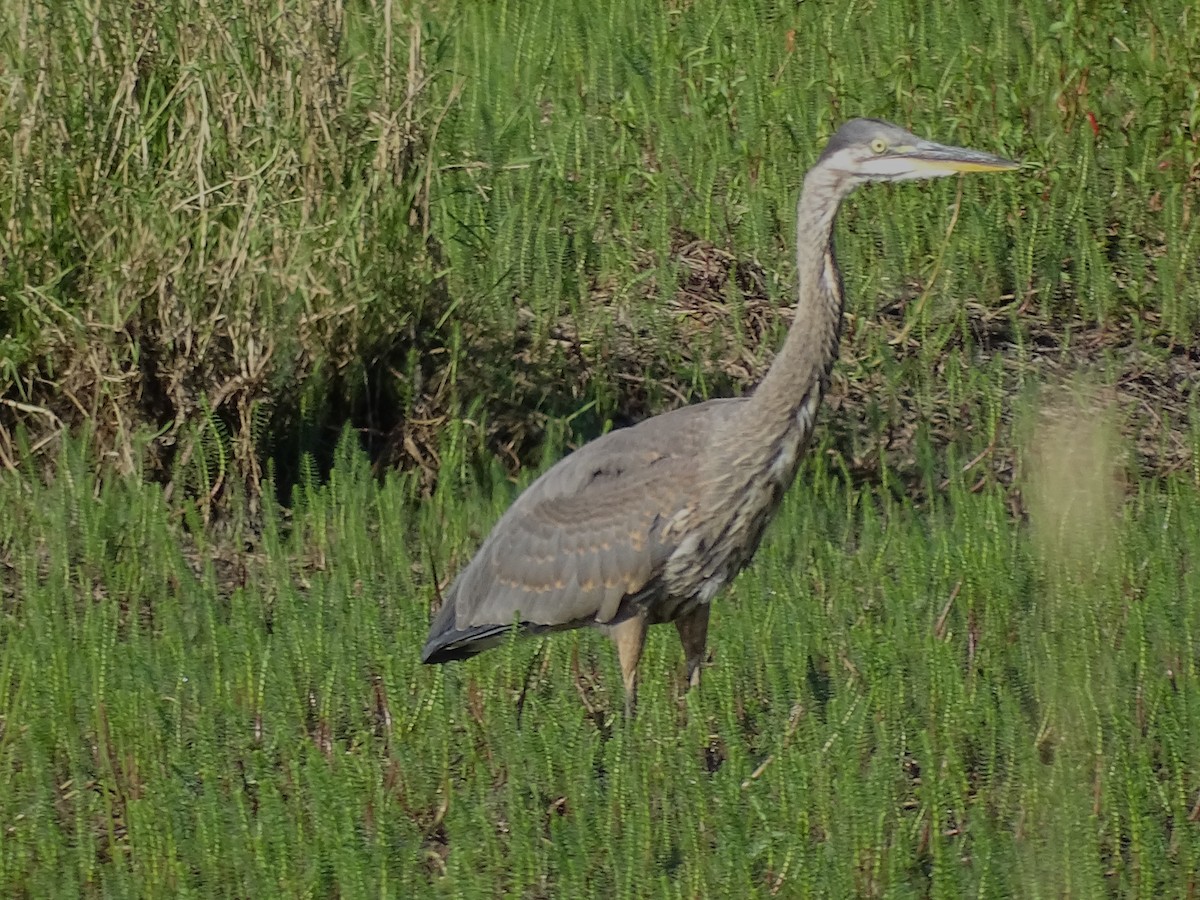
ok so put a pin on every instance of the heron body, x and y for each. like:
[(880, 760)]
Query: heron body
[(647, 524)]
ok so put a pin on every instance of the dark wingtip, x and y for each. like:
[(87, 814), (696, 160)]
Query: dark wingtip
[(455, 644), (434, 656)]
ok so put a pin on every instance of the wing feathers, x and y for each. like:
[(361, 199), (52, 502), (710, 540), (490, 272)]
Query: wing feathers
[(582, 539)]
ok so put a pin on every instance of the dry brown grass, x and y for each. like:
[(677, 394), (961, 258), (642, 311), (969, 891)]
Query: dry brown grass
[(200, 197)]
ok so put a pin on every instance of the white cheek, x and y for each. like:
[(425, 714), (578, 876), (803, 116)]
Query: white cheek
[(899, 169)]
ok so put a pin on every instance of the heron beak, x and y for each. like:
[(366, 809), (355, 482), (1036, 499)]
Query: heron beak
[(941, 158)]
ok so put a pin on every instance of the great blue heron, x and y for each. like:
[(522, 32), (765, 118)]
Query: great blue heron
[(646, 524)]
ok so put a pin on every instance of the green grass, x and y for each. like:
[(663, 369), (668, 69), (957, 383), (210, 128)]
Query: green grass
[(964, 661), (902, 700), (625, 123)]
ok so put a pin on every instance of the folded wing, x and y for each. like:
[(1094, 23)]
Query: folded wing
[(586, 542)]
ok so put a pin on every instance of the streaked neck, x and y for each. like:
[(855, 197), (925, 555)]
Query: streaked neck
[(792, 389)]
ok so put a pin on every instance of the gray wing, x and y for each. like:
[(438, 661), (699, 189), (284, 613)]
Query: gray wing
[(584, 540)]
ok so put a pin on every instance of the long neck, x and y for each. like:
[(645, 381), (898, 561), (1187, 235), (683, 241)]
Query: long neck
[(788, 396), (753, 456)]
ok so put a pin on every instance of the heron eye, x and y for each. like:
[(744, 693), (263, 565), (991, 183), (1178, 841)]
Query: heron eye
[(878, 145)]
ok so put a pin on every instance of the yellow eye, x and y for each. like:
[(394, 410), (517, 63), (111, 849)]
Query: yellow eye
[(878, 145)]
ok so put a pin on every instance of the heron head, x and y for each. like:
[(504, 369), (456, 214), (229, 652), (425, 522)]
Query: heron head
[(872, 150)]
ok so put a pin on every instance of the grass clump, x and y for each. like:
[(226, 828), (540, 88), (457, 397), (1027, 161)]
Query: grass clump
[(216, 224)]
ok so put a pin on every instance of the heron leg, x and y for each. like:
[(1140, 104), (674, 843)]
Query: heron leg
[(693, 634), (630, 638)]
